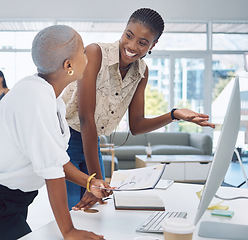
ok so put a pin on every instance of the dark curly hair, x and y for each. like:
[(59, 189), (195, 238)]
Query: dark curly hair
[(4, 81), (150, 19)]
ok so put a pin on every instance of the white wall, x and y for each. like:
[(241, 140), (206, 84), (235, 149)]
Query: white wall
[(121, 10)]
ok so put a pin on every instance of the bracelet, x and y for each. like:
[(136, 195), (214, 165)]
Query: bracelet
[(88, 181), (173, 118)]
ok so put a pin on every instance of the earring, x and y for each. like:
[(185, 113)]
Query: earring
[(70, 72), (149, 52)]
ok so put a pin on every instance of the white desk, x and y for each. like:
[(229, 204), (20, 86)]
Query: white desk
[(182, 168), (122, 224)]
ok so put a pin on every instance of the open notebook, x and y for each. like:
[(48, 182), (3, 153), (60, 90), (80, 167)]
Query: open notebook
[(138, 178)]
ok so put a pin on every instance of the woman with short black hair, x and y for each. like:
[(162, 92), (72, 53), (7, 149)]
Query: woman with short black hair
[(114, 81)]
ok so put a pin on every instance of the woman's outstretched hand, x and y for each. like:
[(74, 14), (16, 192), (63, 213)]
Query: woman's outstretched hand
[(191, 116)]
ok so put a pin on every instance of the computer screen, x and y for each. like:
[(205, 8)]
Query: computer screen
[(224, 150)]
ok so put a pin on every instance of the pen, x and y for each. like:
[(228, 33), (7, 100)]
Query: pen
[(105, 199)]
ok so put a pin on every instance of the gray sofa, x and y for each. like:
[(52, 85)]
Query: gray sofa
[(173, 143)]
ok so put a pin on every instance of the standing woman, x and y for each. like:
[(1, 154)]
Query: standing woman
[(114, 81), (34, 137), (3, 86)]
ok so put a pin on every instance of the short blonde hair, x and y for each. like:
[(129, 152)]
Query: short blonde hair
[(52, 46)]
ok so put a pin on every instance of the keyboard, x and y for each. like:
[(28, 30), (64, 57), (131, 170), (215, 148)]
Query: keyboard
[(153, 224)]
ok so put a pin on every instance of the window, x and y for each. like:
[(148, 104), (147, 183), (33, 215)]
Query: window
[(16, 65), (230, 36), (189, 66), (7, 40), (7, 66), (189, 88), (153, 73), (225, 67), (24, 40), (183, 36), (182, 41)]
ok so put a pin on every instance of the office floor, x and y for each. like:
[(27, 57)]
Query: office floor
[(40, 212)]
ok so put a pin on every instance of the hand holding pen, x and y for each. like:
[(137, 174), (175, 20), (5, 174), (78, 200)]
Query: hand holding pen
[(96, 190)]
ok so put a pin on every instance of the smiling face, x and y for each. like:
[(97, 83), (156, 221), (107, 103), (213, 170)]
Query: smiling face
[(135, 42)]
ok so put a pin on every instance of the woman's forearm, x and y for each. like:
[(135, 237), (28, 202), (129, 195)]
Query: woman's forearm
[(90, 146), (74, 175), (56, 189), (144, 125), (139, 125)]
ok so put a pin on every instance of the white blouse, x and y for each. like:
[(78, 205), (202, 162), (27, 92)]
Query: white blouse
[(113, 95), (34, 135)]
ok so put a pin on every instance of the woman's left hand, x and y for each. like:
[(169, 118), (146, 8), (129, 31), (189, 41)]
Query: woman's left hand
[(87, 201), (96, 185), (191, 116), (95, 195)]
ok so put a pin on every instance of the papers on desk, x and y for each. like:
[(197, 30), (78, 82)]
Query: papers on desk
[(129, 184), (138, 200), (141, 200), (137, 179), (164, 184)]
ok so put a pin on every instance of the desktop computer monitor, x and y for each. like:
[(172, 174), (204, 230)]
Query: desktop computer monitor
[(221, 161)]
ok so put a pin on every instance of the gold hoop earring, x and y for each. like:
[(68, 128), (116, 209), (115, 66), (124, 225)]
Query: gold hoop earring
[(70, 72)]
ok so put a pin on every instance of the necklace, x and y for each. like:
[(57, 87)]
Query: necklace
[(128, 66)]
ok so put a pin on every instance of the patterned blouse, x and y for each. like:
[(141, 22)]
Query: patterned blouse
[(113, 94)]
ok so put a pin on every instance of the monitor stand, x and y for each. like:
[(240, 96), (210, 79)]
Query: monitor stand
[(242, 168), (219, 230)]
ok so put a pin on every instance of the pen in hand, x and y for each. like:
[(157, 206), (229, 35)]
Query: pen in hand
[(108, 190)]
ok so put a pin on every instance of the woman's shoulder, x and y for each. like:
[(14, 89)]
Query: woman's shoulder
[(34, 87), (143, 63), (141, 66), (93, 48), (109, 47)]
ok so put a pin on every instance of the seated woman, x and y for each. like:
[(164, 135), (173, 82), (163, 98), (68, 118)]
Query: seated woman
[(34, 137), (3, 86)]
